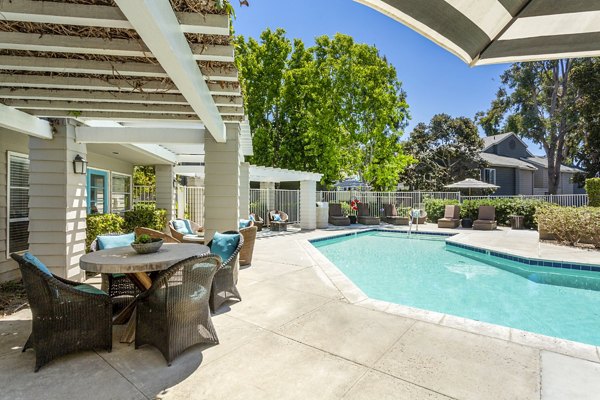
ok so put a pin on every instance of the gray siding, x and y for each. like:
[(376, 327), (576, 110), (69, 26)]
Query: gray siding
[(17, 142), (525, 182), (504, 148), (505, 178)]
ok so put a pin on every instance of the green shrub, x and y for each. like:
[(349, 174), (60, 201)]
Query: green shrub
[(592, 187), (435, 208), (504, 209), (145, 215), (346, 208), (571, 225), (100, 224)]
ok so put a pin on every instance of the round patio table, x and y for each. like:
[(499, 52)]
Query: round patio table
[(124, 260)]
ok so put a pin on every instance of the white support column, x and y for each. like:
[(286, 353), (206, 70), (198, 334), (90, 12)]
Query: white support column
[(244, 190), (308, 206), (270, 194), (222, 183), (165, 192), (57, 202)]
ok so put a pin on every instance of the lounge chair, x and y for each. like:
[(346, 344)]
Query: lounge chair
[(66, 316), (392, 217), (451, 217), (225, 281), (336, 217), (364, 216), (119, 287), (486, 220), (174, 314), (155, 235), (422, 218), (186, 231), (247, 250)]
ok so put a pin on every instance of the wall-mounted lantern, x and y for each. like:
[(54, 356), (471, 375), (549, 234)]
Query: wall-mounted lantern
[(80, 165)]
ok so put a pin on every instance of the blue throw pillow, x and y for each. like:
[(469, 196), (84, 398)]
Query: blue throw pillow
[(31, 259), (244, 223), (224, 244), (183, 226), (112, 241), (276, 217)]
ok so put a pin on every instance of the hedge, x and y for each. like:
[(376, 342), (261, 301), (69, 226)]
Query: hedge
[(145, 215), (504, 209), (592, 187), (571, 225), (100, 224)]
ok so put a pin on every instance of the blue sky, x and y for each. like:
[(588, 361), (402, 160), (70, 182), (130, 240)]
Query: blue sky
[(435, 80)]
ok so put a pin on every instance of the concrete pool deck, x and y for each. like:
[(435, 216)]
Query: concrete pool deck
[(300, 333)]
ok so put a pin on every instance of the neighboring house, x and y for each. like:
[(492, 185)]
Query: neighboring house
[(351, 184), (517, 171)]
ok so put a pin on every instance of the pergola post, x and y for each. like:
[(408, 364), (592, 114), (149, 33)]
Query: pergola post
[(244, 190), (308, 206), (165, 191), (222, 183), (57, 202)]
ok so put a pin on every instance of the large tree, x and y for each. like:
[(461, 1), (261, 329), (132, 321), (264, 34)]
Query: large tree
[(538, 101), (586, 77), (336, 108), (447, 150)]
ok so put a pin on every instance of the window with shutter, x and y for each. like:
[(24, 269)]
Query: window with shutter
[(18, 202)]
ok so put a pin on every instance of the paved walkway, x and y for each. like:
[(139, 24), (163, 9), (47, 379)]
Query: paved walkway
[(296, 336)]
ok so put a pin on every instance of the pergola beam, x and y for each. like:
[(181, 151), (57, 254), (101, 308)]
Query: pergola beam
[(115, 116), (128, 135), (102, 16), (157, 25), (19, 121), (108, 97), (100, 46), (154, 150)]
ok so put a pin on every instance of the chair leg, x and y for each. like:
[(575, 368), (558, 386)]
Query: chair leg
[(28, 343)]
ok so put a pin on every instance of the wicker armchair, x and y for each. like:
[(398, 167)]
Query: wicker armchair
[(258, 221), (155, 235), (284, 216), (65, 319), (364, 216), (173, 314), (247, 250), (224, 284), (183, 238), (119, 287)]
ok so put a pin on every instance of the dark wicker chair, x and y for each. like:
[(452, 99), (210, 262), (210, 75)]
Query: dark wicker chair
[(64, 319), (392, 217), (173, 314), (247, 250), (119, 287), (224, 285)]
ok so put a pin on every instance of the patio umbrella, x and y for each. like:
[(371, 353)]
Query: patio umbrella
[(471, 184), (496, 31)]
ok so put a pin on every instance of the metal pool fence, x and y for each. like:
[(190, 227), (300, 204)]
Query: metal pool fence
[(264, 200)]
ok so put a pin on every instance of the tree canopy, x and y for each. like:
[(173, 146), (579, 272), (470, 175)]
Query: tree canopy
[(447, 150), (336, 108), (538, 100)]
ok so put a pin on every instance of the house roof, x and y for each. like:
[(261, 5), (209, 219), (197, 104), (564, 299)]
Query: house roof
[(543, 162), (501, 161), (489, 141)]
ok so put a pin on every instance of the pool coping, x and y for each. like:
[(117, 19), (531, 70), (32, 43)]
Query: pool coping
[(354, 295)]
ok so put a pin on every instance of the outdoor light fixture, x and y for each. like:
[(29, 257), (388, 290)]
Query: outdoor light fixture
[(80, 165)]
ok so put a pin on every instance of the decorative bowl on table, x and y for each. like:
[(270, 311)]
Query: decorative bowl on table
[(148, 247)]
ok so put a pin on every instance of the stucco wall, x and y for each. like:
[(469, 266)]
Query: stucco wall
[(17, 142)]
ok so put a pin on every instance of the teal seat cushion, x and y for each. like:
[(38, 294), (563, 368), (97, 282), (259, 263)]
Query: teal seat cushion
[(183, 226), (31, 259), (112, 241), (244, 223), (119, 275), (88, 289), (224, 244)]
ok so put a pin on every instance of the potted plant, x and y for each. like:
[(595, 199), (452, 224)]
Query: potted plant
[(144, 244), (347, 211)]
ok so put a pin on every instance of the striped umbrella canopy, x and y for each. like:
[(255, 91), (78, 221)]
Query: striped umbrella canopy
[(500, 31)]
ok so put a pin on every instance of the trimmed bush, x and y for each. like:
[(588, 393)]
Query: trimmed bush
[(570, 225), (145, 215), (435, 208), (592, 187), (504, 209), (100, 224)]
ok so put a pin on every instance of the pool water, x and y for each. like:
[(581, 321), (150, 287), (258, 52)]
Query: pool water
[(423, 272)]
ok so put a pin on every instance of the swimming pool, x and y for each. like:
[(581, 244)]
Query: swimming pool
[(424, 272)]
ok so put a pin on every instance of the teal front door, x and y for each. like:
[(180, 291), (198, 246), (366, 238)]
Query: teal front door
[(97, 191)]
